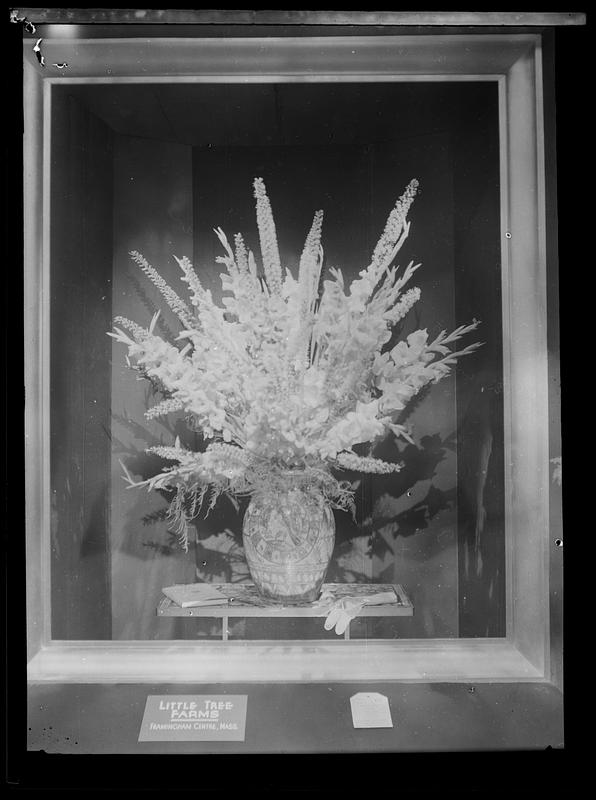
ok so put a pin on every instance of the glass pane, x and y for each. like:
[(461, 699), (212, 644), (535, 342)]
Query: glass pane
[(155, 168)]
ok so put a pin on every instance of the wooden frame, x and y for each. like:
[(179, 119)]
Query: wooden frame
[(148, 16), (514, 61)]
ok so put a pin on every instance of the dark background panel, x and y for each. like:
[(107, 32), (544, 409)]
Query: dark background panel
[(81, 258), (479, 381)]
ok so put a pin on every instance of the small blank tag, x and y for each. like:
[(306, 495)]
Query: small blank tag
[(370, 710)]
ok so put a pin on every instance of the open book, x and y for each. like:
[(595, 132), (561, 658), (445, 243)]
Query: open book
[(190, 595)]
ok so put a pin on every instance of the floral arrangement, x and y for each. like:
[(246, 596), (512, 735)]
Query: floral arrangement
[(290, 373)]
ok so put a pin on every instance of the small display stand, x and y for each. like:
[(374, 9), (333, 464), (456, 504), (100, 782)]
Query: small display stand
[(243, 600)]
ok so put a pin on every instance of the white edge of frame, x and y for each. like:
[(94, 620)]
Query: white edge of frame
[(239, 59), (36, 344), (46, 366), (526, 365), (523, 655), (449, 660)]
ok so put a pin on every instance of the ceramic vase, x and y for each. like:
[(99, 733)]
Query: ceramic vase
[(288, 540)]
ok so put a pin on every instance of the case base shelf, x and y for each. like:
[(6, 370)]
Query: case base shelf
[(242, 608)]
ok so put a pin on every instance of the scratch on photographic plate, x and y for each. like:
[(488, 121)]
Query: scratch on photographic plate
[(14, 17), (38, 53)]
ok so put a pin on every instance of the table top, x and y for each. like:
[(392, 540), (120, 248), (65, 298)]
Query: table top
[(244, 601)]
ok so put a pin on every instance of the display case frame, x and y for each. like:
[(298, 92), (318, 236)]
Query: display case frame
[(531, 650)]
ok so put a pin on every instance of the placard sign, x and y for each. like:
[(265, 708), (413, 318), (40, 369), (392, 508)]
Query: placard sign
[(194, 717), (370, 710)]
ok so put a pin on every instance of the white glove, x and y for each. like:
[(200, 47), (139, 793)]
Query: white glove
[(327, 598), (342, 612)]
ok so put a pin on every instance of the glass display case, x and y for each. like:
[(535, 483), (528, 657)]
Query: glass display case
[(437, 526), (149, 143)]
